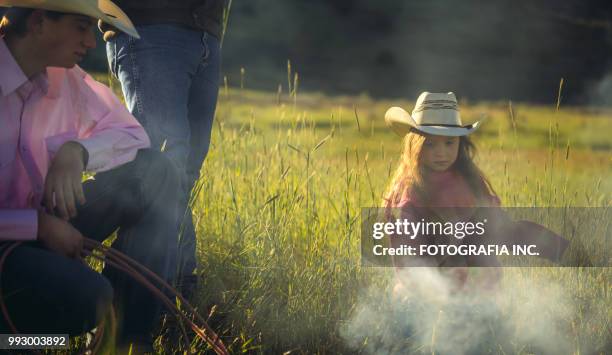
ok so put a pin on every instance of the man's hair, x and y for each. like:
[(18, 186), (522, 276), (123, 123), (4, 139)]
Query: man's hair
[(14, 20)]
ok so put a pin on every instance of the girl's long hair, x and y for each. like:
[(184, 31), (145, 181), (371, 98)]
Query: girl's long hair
[(409, 178)]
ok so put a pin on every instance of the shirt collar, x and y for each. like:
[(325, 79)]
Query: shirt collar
[(12, 77)]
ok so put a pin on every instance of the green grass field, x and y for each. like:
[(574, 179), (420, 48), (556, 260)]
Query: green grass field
[(277, 217)]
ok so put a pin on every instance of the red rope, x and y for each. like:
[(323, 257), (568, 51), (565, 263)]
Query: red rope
[(141, 274), (5, 313)]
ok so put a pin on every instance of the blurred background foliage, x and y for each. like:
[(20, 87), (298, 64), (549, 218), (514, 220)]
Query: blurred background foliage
[(483, 50)]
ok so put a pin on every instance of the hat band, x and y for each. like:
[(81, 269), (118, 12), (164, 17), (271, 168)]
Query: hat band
[(446, 125), (424, 108), (436, 105)]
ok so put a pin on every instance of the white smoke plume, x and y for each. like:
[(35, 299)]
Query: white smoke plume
[(528, 315)]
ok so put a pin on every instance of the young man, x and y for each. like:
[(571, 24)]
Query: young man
[(56, 122), (170, 80)]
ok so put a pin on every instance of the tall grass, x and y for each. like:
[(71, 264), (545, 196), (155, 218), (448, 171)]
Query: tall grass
[(277, 209)]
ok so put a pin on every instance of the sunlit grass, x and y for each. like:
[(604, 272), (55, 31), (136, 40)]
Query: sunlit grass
[(277, 208)]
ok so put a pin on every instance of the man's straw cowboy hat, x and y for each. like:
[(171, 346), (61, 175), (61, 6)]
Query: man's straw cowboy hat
[(104, 10), (434, 113)]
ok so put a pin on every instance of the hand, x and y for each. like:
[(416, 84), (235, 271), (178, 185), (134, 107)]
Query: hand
[(64, 180), (59, 236)]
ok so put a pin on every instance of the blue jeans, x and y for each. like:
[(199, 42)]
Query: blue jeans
[(170, 81)]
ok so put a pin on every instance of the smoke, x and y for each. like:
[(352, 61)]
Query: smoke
[(431, 317), (600, 92)]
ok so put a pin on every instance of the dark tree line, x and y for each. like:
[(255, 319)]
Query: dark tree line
[(492, 50), (481, 49)]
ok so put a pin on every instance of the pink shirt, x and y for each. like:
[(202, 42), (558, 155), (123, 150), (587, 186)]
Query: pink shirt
[(37, 116), (447, 189), (450, 189)]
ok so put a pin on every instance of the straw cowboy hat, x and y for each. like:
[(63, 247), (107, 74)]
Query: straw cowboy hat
[(434, 113), (104, 10)]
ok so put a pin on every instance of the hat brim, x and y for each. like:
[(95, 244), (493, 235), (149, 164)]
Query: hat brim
[(104, 10), (114, 16), (402, 122)]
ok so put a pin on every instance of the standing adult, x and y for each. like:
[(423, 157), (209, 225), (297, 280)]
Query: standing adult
[(170, 81)]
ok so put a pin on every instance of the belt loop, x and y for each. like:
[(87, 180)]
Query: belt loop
[(198, 14)]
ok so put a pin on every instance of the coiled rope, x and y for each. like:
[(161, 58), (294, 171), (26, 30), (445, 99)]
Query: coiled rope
[(145, 277)]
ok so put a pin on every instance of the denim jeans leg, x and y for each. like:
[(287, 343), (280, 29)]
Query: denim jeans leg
[(202, 105), (170, 82), (46, 292), (139, 198)]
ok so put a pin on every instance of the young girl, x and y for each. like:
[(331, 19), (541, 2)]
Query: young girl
[(436, 175)]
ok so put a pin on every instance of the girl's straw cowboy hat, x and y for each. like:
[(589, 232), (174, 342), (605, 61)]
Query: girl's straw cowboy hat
[(104, 10), (434, 113)]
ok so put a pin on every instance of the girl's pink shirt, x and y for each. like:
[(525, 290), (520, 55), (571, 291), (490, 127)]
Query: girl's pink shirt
[(446, 189)]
